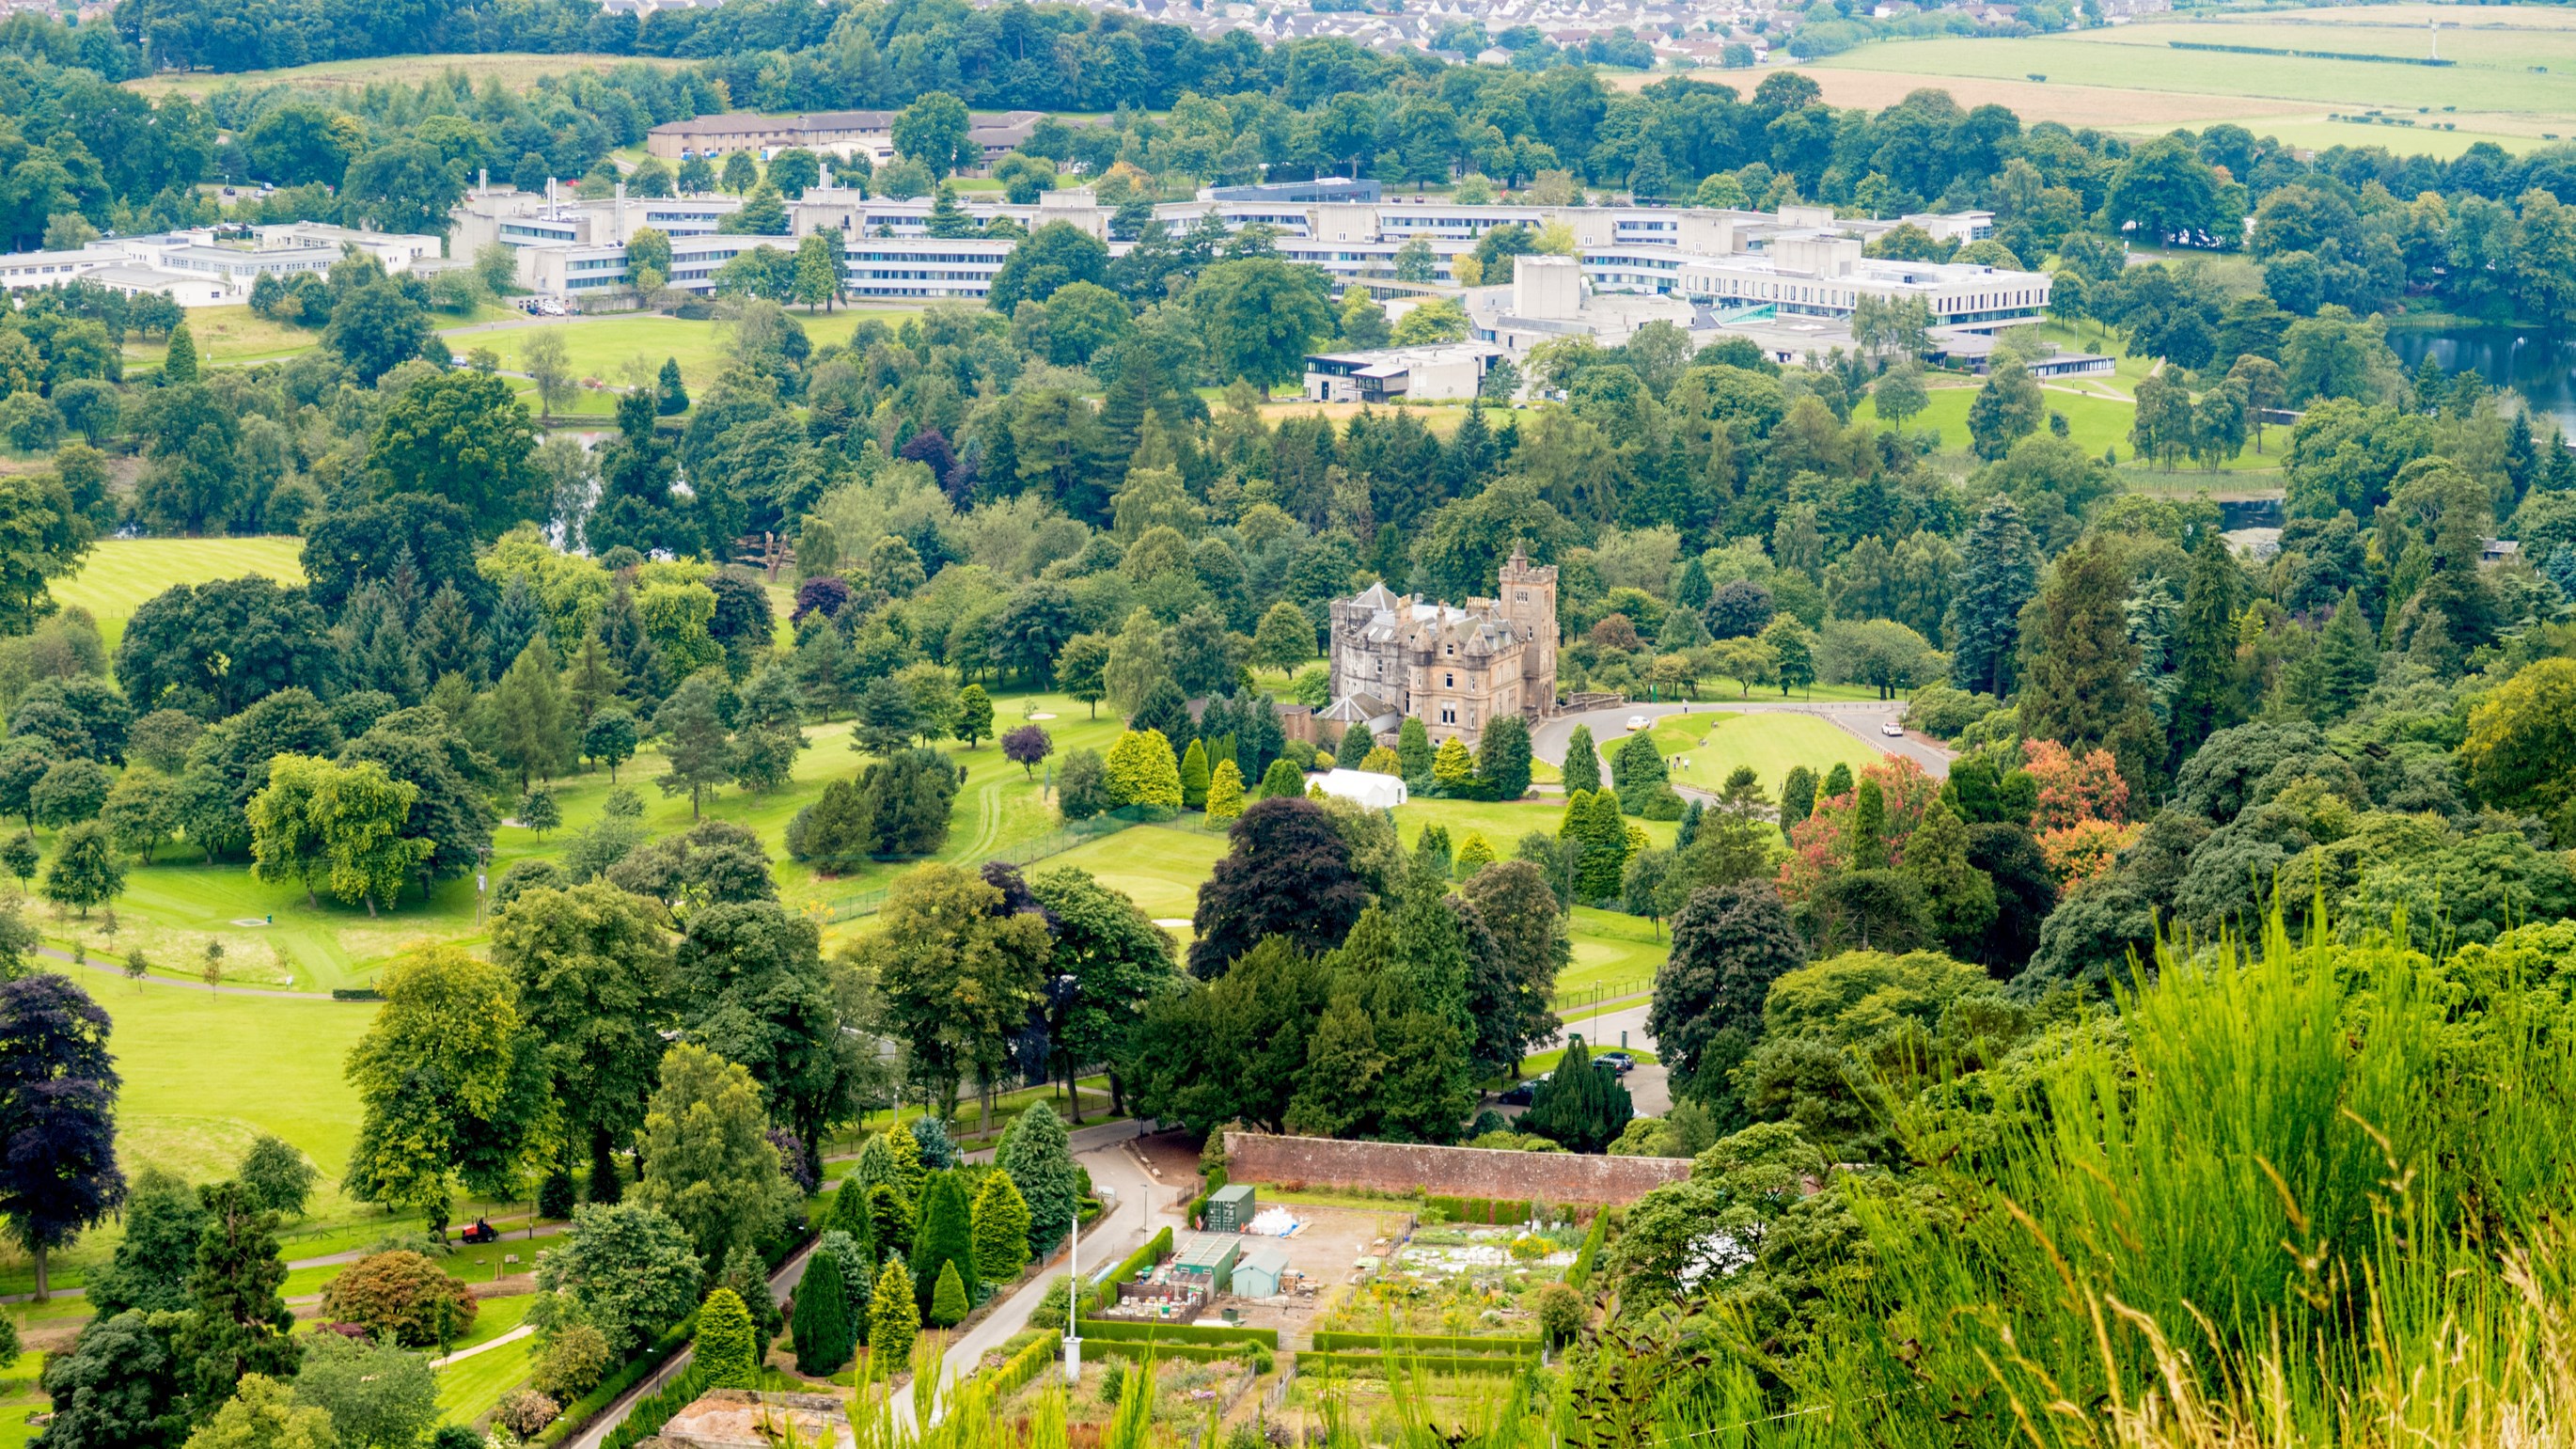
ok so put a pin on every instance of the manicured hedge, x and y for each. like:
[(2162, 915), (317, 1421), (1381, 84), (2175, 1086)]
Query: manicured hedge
[(1424, 1343), (356, 993), (1110, 1328), (577, 1415), (1579, 1277), (1485, 1211), (1028, 1363), (1156, 1249), (1380, 1365), (1146, 1352), (652, 1413)]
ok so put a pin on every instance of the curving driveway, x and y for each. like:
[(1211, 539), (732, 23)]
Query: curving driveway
[(1862, 718)]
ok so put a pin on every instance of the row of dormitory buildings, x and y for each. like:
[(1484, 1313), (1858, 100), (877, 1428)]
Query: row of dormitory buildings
[(1790, 280)]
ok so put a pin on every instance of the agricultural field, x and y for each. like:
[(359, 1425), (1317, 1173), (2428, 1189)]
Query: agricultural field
[(121, 573), (2512, 79), (512, 70)]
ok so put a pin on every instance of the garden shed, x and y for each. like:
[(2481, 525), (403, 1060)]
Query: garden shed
[(1257, 1273)]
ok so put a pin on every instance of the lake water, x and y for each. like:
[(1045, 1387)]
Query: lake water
[(2539, 365)]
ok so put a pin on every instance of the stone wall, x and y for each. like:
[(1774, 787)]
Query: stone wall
[(1549, 1177)]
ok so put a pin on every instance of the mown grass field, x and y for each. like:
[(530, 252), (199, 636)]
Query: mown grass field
[(1773, 744), (616, 351), (512, 69), (121, 573), (2093, 420)]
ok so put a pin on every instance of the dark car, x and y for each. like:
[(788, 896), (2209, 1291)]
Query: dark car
[(1619, 1063), (1521, 1092)]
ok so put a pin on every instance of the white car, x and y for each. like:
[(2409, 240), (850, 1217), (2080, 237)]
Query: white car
[(1636, 722), (1891, 728)]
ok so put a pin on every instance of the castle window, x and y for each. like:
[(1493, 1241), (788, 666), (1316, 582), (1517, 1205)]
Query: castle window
[(1521, 595), (1448, 681), (1448, 716)]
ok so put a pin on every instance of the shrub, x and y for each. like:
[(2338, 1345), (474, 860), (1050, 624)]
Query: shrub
[(574, 1363), (727, 1344), (822, 1321), (948, 1300), (894, 1317), (526, 1412), (404, 1294), (1561, 1313)]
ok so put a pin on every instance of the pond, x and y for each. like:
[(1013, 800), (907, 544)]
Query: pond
[(2538, 364)]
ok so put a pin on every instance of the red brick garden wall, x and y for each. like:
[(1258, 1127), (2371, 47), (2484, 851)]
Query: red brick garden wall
[(1550, 1177)]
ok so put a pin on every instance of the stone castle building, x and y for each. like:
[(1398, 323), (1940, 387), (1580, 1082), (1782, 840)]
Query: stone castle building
[(1454, 667)]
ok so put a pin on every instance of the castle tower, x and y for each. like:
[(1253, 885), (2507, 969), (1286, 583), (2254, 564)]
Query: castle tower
[(1527, 597)]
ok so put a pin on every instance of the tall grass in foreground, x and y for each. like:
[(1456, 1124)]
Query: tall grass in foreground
[(2324, 1202)]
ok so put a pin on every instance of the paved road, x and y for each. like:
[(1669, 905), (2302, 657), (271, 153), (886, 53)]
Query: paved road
[(1142, 1206), (1861, 718), (1129, 1222)]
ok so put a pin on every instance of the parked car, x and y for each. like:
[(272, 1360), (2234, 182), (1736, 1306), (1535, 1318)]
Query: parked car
[(1891, 728), (1619, 1063), (1522, 1092), (1636, 722)]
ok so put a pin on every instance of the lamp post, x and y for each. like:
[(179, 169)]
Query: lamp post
[(1073, 1284)]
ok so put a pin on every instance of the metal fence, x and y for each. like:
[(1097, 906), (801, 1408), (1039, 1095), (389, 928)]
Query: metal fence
[(1068, 836)]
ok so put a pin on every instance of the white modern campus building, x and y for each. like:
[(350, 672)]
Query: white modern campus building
[(1798, 272), (207, 266)]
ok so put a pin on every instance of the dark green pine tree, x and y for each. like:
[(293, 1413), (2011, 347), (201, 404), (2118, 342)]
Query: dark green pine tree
[(2082, 688), (1580, 1106), (2327, 684), (2205, 696), (670, 394), (2521, 455), (1423, 1023), (1582, 763), (1999, 571), (1866, 846), (822, 1320), (1838, 783), (946, 1235), (1469, 456), (238, 1324), (1797, 796), (1692, 588)]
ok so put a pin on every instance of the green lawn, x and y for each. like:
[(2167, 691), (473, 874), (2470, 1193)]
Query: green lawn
[(1615, 955), (610, 350), (121, 573), (227, 335), (469, 1389), (1772, 744), (494, 1317), (2093, 419), (19, 1397), (1159, 869)]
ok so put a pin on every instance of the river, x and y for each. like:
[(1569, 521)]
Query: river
[(2540, 365)]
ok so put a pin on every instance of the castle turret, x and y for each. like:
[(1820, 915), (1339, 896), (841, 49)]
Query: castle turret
[(1527, 597)]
